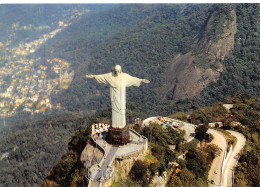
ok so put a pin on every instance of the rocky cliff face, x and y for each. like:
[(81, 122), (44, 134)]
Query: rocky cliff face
[(90, 154), (218, 38), (188, 74), (184, 79), (122, 168)]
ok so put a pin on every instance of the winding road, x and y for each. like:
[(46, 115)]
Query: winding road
[(220, 176), (220, 140), (232, 161)]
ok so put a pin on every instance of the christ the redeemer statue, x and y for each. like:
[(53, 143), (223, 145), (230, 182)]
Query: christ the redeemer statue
[(118, 81)]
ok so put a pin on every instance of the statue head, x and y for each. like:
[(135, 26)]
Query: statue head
[(118, 70)]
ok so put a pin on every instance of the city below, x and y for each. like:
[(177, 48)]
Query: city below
[(26, 83)]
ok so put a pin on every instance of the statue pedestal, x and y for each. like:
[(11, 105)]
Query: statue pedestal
[(117, 136)]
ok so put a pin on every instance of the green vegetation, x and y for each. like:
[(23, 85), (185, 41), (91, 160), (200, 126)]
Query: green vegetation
[(196, 162), (201, 131), (139, 172), (246, 110), (37, 19), (149, 36), (232, 140), (221, 17), (194, 170), (145, 37), (179, 116), (34, 146), (126, 182), (161, 138), (175, 181), (159, 156), (188, 146), (241, 68), (213, 113), (134, 36), (199, 160), (156, 133), (69, 170)]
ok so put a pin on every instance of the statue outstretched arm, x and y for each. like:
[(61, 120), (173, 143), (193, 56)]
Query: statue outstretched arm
[(102, 78), (134, 81), (145, 81), (90, 76)]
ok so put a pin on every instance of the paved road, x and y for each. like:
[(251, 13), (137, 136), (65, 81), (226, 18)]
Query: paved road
[(189, 131), (104, 171), (104, 167), (220, 140), (231, 163)]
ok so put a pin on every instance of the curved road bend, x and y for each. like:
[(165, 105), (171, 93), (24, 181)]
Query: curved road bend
[(220, 140), (227, 173)]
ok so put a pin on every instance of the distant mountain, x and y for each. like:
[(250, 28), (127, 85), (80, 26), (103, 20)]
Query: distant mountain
[(22, 22)]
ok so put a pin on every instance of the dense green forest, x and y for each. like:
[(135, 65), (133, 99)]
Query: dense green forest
[(241, 68), (135, 36), (34, 145), (149, 36)]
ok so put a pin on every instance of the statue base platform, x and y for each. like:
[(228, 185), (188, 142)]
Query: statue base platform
[(117, 136)]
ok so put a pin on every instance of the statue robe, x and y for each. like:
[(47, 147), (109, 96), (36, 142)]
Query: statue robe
[(118, 86)]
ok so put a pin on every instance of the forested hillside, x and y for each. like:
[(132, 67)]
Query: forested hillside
[(31, 146), (144, 39), (241, 72), (193, 170)]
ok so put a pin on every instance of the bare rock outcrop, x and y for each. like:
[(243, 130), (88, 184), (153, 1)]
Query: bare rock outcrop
[(123, 168), (184, 79), (187, 75), (90, 155)]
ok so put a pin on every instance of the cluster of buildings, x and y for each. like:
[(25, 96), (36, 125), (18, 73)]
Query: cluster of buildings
[(27, 84), (29, 87)]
